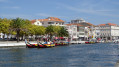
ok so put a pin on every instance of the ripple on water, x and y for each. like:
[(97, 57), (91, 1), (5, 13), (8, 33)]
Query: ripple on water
[(76, 55)]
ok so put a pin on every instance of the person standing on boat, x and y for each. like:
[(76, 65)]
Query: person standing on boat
[(27, 41)]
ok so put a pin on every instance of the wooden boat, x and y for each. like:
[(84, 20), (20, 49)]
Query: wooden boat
[(45, 45), (61, 43), (31, 45), (91, 42), (49, 44), (39, 45)]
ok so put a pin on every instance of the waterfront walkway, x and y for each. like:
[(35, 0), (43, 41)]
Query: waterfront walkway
[(13, 43)]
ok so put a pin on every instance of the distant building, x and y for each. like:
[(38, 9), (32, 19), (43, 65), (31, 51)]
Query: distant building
[(109, 31), (72, 29), (78, 21), (81, 29), (48, 21), (36, 22), (97, 32)]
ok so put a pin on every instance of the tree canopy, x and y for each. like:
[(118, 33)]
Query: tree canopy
[(23, 27), (63, 32)]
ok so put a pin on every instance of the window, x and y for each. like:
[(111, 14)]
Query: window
[(74, 34), (81, 33), (50, 22), (37, 23)]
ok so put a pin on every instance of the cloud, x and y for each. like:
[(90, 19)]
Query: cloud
[(11, 7), (44, 15), (16, 15), (15, 7), (90, 10), (3, 0), (49, 15)]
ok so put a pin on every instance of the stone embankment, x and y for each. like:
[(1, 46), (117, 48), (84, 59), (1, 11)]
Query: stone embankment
[(13, 43)]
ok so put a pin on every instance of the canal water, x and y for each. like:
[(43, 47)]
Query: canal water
[(76, 55)]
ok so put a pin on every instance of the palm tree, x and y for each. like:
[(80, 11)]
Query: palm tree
[(63, 32), (17, 25)]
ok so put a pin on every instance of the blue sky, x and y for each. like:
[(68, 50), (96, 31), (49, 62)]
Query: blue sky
[(93, 11)]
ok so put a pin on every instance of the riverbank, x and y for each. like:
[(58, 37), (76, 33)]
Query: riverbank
[(13, 43), (22, 43)]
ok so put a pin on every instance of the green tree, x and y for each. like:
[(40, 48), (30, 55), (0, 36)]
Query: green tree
[(56, 30), (18, 25), (39, 30), (50, 30), (5, 26), (35, 30), (25, 31), (63, 32)]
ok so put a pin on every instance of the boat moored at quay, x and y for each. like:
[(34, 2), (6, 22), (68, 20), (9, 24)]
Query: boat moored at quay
[(45, 44)]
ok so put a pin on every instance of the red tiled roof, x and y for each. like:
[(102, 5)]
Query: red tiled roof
[(73, 24), (110, 24), (86, 24), (102, 25), (32, 21), (90, 24), (68, 24), (49, 19)]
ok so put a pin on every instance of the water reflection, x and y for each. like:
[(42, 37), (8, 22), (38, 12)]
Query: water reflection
[(117, 64), (93, 55)]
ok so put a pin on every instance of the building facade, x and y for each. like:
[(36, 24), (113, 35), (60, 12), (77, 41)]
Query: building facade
[(78, 21), (48, 21), (109, 31), (80, 30)]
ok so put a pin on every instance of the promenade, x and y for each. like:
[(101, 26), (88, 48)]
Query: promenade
[(13, 43)]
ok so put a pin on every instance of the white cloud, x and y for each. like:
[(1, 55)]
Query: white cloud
[(44, 15), (15, 7), (49, 15), (11, 7), (16, 15), (3, 0), (89, 10)]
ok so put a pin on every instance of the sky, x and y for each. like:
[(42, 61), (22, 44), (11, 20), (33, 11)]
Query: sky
[(92, 11)]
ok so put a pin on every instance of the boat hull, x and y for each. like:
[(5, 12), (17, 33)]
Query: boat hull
[(39, 46), (89, 42), (31, 45), (61, 44)]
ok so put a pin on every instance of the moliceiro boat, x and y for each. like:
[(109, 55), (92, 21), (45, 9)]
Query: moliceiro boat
[(39, 44), (89, 42), (46, 45), (61, 43)]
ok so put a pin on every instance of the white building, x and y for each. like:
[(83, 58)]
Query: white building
[(36, 22), (80, 30), (72, 29), (78, 21), (109, 31), (48, 21), (97, 32)]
